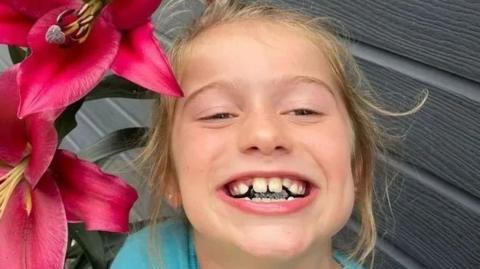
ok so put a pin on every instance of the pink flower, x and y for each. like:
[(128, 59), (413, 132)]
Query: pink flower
[(41, 188), (73, 45)]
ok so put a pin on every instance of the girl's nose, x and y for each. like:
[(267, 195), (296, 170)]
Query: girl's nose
[(264, 135)]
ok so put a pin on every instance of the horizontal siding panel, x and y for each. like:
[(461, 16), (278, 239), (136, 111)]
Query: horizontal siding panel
[(116, 113), (418, 71), (4, 58), (99, 117), (427, 226), (137, 112), (384, 256), (441, 138), (389, 256), (444, 34)]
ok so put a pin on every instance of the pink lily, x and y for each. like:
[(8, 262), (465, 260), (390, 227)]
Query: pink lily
[(73, 46), (42, 187)]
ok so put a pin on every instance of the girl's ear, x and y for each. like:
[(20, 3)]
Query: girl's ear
[(172, 192), (174, 200)]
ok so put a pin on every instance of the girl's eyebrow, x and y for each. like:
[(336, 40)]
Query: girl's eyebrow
[(286, 80), (212, 85), (303, 79)]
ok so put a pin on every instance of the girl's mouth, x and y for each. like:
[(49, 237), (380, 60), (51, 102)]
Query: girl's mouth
[(268, 196)]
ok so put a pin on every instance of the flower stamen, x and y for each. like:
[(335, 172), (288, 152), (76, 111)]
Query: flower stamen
[(74, 26), (9, 181)]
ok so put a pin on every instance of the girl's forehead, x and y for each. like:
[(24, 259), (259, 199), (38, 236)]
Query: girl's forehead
[(268, 33), (255, 51)]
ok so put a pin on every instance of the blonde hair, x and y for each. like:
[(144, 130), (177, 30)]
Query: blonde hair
[(355, 92)]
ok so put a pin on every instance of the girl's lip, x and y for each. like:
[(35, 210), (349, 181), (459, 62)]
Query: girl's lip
[(272, 208)]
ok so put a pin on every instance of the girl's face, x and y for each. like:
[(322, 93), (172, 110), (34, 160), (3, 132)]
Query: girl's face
[(249, 90)]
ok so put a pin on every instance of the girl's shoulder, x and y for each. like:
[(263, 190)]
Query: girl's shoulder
[(172, 237), (134, 252), (345, 262)]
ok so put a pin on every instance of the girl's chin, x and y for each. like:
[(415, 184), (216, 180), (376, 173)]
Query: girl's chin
[(274, 247)]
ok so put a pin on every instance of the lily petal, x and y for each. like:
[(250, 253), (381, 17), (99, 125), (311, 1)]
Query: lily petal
[(42, 136), (54, 77), (13, 138), (141, 60), (14, 26), (35, 239), (35, 8), (101, 200), (128, 14)]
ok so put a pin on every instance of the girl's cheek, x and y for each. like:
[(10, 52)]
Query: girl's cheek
[(199, 142)]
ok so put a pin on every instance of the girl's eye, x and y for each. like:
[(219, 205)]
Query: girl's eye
[(220, 116), (226, 115), (305, 112)]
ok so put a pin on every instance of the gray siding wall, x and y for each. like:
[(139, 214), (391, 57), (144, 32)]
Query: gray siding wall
[(432, 217)]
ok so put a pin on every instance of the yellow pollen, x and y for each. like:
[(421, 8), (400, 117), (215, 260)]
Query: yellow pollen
[(28, 201), (9, 181)]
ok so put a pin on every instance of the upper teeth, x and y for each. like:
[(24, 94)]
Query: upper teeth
[(274, 184)]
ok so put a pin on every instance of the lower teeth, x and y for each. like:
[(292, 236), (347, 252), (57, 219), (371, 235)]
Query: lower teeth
[(267, 197), (268, 200)]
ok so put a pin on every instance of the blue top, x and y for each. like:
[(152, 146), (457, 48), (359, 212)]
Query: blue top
[(177, 248)]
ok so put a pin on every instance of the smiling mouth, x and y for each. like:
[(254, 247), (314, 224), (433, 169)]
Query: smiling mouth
[(271, 190)]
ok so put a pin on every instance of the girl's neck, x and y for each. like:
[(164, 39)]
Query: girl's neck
[(214, 255)]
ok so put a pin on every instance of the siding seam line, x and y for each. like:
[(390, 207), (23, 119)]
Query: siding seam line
[(434, 183), (389, 249), (424, 73)]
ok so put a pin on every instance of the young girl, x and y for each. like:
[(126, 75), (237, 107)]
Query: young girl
[(267, 155)]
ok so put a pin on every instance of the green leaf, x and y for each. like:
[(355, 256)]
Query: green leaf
[(80, 263), (67, 122), (115, 86), (114, 143), (112, 243), (91, 243), (17, 54), (74, 251)]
